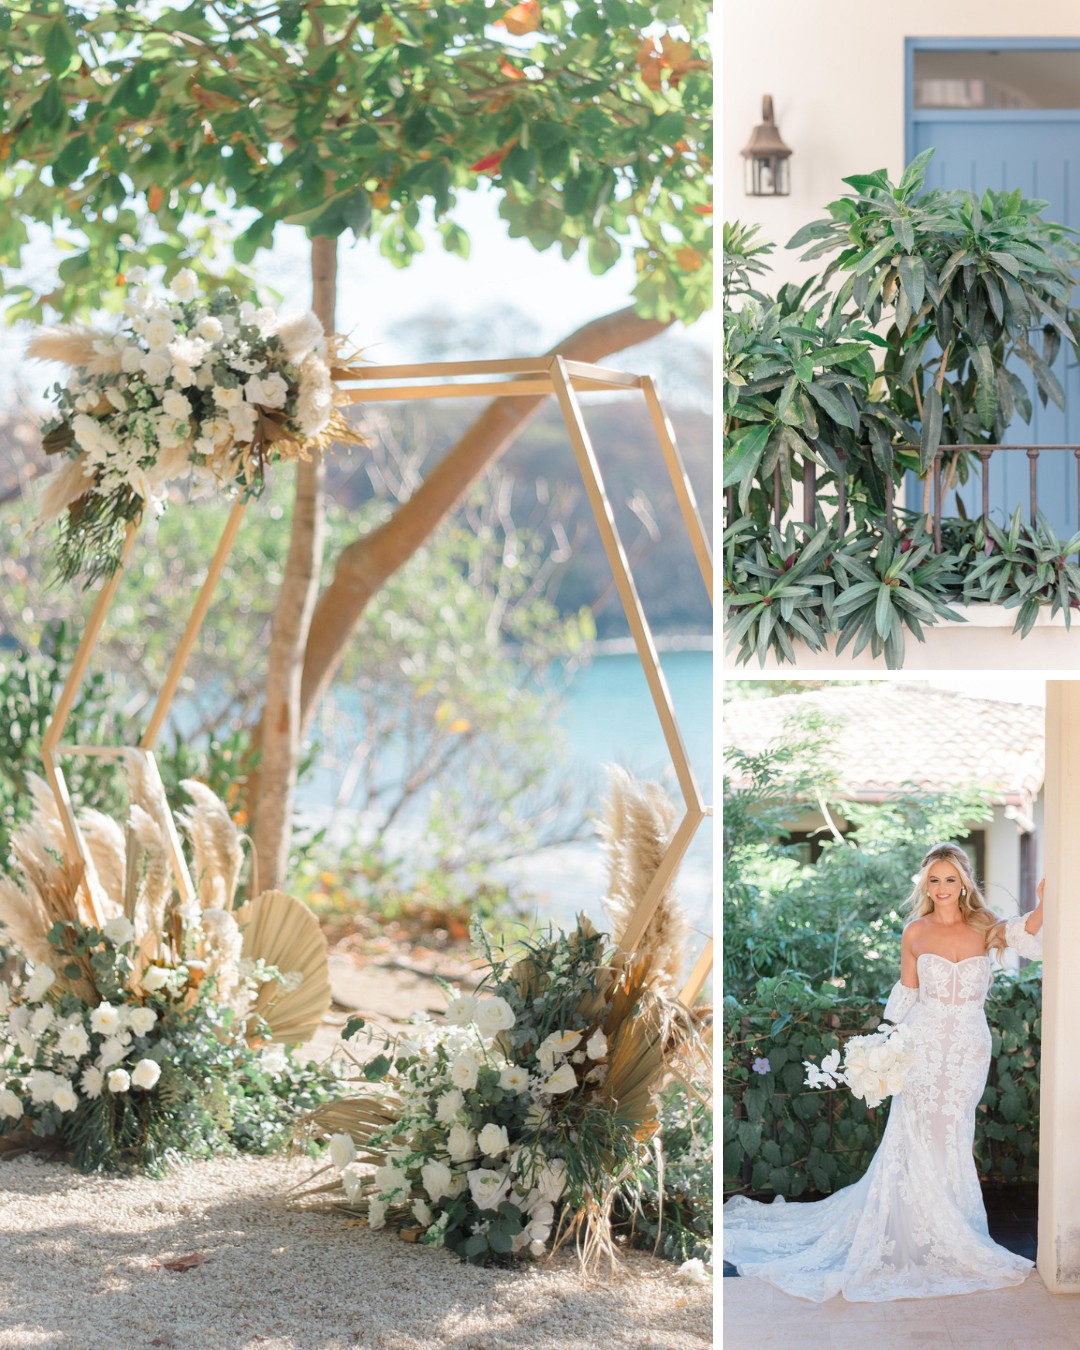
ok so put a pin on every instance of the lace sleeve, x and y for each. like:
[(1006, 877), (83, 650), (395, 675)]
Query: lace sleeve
[(901, 1001), (1018, 937)]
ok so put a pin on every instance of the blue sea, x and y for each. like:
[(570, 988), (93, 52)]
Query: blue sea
[(608, 718)]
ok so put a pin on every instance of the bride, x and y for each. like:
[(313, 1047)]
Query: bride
[(914, 1225)]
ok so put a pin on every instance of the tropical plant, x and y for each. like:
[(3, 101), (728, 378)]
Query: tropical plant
[(1025, 567), (954, 283)]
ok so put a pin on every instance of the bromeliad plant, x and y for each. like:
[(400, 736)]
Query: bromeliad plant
[(1025, 567), (522, 1123)]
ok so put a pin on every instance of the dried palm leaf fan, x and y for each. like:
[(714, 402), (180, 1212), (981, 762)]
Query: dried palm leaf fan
[(284, 933)]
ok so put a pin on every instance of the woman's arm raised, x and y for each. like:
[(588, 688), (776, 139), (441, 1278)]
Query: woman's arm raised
[(1024, 934)]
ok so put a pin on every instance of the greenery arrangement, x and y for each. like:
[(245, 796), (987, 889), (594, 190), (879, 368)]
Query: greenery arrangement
[(136, 1032), (521, 1122), (908, 341), (207, 386)]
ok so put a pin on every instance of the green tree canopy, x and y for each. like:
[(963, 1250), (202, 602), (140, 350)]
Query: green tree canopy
[(125, 130)]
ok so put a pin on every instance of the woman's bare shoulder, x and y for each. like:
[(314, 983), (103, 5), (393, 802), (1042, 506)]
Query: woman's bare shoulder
[(913, 927)]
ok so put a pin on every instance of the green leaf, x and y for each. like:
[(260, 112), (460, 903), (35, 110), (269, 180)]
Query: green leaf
[(749, 1137), (378, 1068), (59, 48), (930, 437), (351, 1027)]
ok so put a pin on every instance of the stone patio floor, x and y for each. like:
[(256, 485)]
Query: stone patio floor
[(758, 1317)]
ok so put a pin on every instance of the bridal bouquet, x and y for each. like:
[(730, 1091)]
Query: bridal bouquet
[(516, 1125), (209, 386), (144, 1020), (874, 1066)]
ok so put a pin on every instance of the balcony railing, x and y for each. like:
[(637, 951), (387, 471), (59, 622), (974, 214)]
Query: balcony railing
[(939, 485)]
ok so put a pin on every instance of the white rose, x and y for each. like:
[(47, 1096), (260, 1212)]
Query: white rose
[(145, 1074), (156, 367), (270, 391), (493, 1015), (537, 1249), (342, 1150), (596, 1046), (514, 1078), (184, 376), (461, 1010), (64, 1098), (210, 329), (40, 982), (42, 1019), (436, 1178), (242, 419), (141, 1020), (464, 1071), (116, 398), (159, 333), (390, 1180), (301, 335), (422, 1212), (185, 285), (112, 1052), (352, 1178), (376, 1214), (878, 1058), (42, 1084), (226, 397), (73, 1042), (493, 1140), (92, 1081), (131, 359), (154, 978), (448, 1106), (119, 930), (564, 1079), (488, 1187), (176, 405), (550, 1182), (119, 1080), (10, 1105), (105, 1019), (539, 1232), (461, 1144)]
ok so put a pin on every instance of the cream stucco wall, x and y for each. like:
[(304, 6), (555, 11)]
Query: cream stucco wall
[(835, 70)]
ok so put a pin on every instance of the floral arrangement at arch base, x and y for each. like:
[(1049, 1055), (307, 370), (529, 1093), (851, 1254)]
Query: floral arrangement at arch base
[(209, 387), (520, 1123), (162, 1026)]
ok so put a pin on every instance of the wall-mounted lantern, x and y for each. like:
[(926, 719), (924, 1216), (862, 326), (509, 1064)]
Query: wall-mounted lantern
[(766, 158)]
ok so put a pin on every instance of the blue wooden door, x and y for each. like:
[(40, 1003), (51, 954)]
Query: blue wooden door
[(1035, 151)]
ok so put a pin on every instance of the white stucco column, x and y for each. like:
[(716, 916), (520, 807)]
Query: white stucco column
[(1059, 1123)]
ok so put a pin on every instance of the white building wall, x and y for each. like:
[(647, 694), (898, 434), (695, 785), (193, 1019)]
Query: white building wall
[(835, 70)]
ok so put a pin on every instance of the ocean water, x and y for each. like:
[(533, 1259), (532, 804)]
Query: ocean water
[(607, 717)]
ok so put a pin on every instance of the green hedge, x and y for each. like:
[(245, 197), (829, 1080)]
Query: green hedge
[(785, 1138)]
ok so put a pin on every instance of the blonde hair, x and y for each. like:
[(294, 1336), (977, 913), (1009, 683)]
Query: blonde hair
[(973, 908)]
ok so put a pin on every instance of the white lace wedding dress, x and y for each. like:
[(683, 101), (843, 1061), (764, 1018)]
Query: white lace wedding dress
[(914, 1226)]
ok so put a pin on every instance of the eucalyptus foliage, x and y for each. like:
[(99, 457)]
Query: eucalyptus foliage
[(127, 127)]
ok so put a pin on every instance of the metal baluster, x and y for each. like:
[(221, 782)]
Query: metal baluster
[(1076, 454), (1033, 460), (809, 489), (730, 494), (984, 454), (937, 503)]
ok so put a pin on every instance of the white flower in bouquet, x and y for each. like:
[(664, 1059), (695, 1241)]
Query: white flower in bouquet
[(596, 1047), (131, 359), (92, 1081), (461, 1010), (564, 1079), (159, 333), (550, 1182), (269, 391), (390, 1181), (461, 1143), (464, 1071), (377, 1213), (243, 418), (493, 1015), (342, 1150), (537, 1249), (488, 1187), (145, 1074), (694, 1271), (141, 1020), (73, 1041), (10, 1104), (301, 335), (353, 1179), (5, 999), (41, 1019), (185, 285), (119, 930), (119, 1080), (436, 1178), (493, 1140), (154, 978), (40, 982), (228, 396), (107, 1019), (42, 1084), (449, 1106), (422, 1213), (558, 1045), (210, 328), (177, 405), (64, 1097), (514, 1078), (156, 366), (113, 1051)]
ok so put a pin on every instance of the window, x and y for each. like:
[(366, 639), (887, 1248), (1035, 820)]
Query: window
[(1023, 78)]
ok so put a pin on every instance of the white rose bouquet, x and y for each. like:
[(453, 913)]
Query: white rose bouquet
[(874, 1066), (206, 386)]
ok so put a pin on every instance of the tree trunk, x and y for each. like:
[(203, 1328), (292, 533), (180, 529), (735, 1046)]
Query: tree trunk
[(280, 731), (367, 563)]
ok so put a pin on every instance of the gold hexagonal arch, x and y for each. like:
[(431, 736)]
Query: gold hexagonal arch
[(463, 379)]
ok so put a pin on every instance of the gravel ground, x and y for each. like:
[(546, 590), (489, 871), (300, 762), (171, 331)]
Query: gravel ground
[(82, 1268)]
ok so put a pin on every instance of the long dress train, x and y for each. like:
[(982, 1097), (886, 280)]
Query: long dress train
[(914, 1226)]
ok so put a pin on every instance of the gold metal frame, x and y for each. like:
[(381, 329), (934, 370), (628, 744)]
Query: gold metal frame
[(461, 379)]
